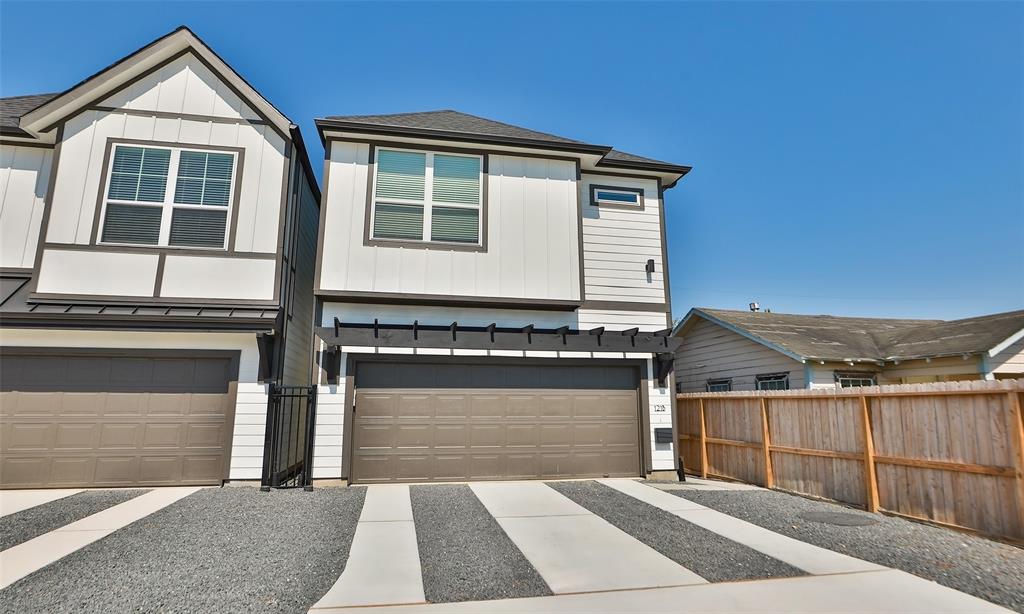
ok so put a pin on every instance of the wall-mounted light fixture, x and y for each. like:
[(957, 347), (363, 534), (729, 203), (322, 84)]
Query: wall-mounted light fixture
[(650, 265)]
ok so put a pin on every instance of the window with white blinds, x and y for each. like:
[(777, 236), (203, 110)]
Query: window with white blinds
[(141, 208), (427, 197)]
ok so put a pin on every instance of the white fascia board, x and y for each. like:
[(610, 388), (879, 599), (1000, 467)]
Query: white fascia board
[(139, 63), (1014, 338)]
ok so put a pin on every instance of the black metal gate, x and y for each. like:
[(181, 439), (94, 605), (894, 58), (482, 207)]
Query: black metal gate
[(288, 448)]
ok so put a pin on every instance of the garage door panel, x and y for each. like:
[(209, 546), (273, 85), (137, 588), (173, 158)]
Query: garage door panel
[(486, 422), (67, 437), (114, 420)]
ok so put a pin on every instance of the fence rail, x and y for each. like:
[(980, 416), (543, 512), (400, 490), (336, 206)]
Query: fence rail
[(950, 453)]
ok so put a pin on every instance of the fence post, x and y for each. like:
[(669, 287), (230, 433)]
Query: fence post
[(307, 463), (703, 442), (766, 441), (870, 479), (1017, 428), (268, 438)]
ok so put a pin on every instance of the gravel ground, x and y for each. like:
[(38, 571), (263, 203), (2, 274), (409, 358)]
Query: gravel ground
[(980, 567), (707, 554), (464, 553), (218, 550), (33, 522)]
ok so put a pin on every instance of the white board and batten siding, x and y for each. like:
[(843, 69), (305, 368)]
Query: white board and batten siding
[(24, 173), (531, 228), (184, 86), (618, 242), (712, 352)]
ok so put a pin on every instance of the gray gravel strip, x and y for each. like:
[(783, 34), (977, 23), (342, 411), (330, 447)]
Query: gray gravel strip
[(707, 554), (22, 526), (983, 568), (218, 550), (465, 555)]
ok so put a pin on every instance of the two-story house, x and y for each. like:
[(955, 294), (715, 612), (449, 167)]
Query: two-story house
[(158, 223), (493, 304)]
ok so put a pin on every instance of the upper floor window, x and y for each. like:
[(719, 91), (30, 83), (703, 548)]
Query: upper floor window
[(604, 196), (427, 197), (851, 379), (168, 196), (772, 381), (719, 385)]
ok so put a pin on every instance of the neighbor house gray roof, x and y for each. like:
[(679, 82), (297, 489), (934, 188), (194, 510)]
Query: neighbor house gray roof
[(825, 337), (12, 108), (451, 122)]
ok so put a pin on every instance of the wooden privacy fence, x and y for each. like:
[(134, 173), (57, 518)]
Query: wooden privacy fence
[(951, 453)]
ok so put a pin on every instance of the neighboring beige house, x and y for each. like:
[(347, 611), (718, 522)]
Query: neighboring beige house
[(725, 350)]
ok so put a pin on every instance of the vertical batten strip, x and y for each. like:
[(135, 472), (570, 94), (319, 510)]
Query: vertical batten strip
[(703, 442)]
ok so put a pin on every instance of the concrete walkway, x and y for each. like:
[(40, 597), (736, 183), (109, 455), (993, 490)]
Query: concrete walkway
[(14, 501), (30, 556), (384, 562), (888, 591), (574, 550)]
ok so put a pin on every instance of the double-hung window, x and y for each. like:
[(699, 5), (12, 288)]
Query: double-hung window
[(772, 381), (168, 197), (427, 197)]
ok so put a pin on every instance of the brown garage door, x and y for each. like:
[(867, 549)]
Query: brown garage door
[(114, 418), (454, 422)]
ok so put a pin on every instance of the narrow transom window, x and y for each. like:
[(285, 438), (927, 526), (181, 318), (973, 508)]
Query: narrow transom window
[(428, 197), (614, 196), (140, 207), (853, 379), (719, 385), (772, 381)]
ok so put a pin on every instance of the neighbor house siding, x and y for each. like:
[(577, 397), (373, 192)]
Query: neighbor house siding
[(710, 351), (80, 172), (297, 355), (618, 242), (950, 368), (1010, 360), (24, 173), (531, 235)]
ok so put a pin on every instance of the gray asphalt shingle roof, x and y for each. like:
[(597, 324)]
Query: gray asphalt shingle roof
[(828, 337), (12, 108), (451, 121)]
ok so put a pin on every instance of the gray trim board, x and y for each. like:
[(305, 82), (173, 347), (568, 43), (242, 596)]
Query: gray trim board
[(47, 208), (159, 278), (664, 255), (105, 299), (167, 250), (12, 143), (216, 119), (479, 151), (446, 300), (323, 218)]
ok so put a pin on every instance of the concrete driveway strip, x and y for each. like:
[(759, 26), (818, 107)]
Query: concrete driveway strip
[(571, 548), (30, 556), (890, 591), (383, 565), (13, 501), (810, 558)]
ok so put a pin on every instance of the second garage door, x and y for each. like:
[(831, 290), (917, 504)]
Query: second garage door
[(455, 422), (80, 417)]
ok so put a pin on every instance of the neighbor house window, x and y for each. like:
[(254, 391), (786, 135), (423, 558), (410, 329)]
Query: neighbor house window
[(617, 197), (719, 385), (168, 196), (427, 197), (853, 379), (772, 381)]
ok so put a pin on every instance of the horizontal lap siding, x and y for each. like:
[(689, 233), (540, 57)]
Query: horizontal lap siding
[(1010, 360), (617, 244), (299, 346), (710, 352), (24, 173)]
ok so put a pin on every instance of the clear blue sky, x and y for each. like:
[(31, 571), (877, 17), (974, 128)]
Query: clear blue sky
[(849, 158)]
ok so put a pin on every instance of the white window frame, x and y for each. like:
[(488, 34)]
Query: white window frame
[(428, 199), (168, 203), (855, 376), (636, 193)]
